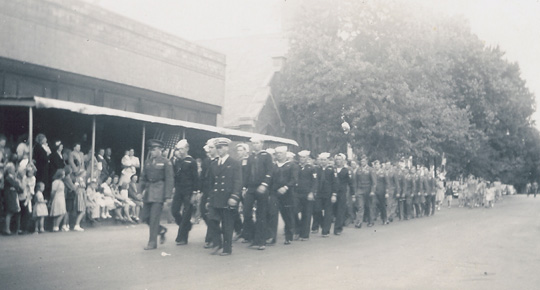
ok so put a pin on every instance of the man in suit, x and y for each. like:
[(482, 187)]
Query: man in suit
[(326, 196), (345, 185), (306, 188), (186, 186), (225, 179), (102, 165), (157, 181), (284, 179), (257, 179), (211, 156)]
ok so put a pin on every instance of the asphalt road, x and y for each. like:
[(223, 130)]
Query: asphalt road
[(458, 248)]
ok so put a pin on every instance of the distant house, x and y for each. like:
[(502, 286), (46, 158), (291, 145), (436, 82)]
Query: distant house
[(252, 65)]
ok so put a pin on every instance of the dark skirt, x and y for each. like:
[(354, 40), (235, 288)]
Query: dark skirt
[(11, 199)]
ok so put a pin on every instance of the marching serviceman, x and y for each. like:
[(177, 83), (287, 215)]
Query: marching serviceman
[(306, 189), (408, 190), (225, 179), (365, 186), (242, 150), (345, 185), (326, 196), (186, 187), (157, 181), (393, 189), (259, 173), (380, 191), (419, 198), (284, 179), (211, 156)]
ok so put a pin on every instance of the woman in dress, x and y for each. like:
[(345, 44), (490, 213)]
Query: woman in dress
[(76, 161), (56, 159), (58, 200), (41, 156), (12, 188)]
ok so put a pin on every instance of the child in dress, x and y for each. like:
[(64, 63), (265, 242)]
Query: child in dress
[(93, 205), (80, 203), (25, 198), (40, 208)]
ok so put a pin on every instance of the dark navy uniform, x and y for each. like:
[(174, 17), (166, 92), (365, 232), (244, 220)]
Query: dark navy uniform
[(392, 189), (307, 183), (157, 181), (225, 179), (345, 185), (205, 189), (284, 176), (408, 191), (326, 187), (186, 181), (419, 199), (380, 192), (258, 172)]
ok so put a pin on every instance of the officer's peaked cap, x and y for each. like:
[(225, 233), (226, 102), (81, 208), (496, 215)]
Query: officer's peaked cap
[(155, 143)]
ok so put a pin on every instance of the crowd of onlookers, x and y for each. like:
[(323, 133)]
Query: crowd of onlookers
[(59, 187), (477, 192)]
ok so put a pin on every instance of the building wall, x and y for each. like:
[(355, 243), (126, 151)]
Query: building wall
[(82, 39)]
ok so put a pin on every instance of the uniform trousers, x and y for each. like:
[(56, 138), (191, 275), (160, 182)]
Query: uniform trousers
[(340, 210), (204, 216), (391, 203), (350, 217), (151, 214), (286, 209), (400, 208), (361, 204), (303, 212), (417, 202), (255, 232), (221, 226), (322, 214), (272, 217), (181, 210), (381, 206), (433, 203), (408, 207)]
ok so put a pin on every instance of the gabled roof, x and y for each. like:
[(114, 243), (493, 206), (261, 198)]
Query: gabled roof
[(249, 70)]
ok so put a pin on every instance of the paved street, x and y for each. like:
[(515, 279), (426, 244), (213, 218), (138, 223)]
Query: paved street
[(459, 248)]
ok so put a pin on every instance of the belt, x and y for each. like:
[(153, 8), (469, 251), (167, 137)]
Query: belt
[(154, 181)]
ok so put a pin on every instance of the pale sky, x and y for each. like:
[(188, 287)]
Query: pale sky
[(513, 25)]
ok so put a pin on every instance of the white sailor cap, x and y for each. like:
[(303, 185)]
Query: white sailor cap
[(290, 155), (325, 155), (243, 145), (341, 155), (271, 150), (281, 149), (304, 153), (181, 144)]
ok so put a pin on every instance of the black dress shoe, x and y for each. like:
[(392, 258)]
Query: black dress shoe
[(225, 254), (358, 226), (181, 243), (149, 247), (261, 248), (270, 242), (245, 241), (287, 242), (207, 245), (162, 235), (314, 231)]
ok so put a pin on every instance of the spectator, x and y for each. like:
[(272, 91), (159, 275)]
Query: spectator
[(92, 201), (110, 164), (41, 156), (127, 204), (40, 208), (76, 161), (69, 191), (80, 203), (135, 196), (130, 163), (5, 153), (56, 159), (58, 200), (25, 199), (22, 147), (107, 198), (12, 186), (102, 166)]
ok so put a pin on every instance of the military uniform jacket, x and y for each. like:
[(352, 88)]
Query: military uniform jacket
[(157, 180), (392, 184), (259, 169), (186, 177), (366, 180), (284, 175), (307, 180), (380, 187), (420, 186), (408, 185), (205, 175), (327, 182), (225, 181), (344, 181)]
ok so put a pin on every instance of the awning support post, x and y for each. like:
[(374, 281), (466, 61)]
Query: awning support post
[(93, 150), (143, 145), (30, 133)]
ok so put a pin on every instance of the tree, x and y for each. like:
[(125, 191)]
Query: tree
[(410, 83)]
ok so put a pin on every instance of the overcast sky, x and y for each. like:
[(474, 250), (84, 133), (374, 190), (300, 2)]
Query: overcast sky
[(513, 25)]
